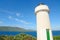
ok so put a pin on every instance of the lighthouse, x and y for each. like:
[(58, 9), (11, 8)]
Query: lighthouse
[(43, 23)]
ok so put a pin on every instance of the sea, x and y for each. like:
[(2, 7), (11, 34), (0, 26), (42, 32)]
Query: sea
[(54, 33)]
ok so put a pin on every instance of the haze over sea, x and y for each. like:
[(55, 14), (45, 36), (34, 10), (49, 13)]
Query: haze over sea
[(55, 33)]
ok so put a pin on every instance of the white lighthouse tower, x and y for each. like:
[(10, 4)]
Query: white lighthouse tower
[(43, 22)]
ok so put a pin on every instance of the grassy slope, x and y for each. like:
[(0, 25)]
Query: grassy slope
[(8, 28), (56, 37)]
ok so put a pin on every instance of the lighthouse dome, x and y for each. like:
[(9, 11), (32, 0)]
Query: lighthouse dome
[(41, 7)]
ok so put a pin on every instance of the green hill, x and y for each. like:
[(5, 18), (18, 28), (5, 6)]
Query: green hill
[(8, 28)]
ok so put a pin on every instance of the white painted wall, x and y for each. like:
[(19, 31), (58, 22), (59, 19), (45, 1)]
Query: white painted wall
[(51, 37), (42, 19), (43, 22)]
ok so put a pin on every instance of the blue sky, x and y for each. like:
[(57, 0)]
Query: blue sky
[(20, 13)]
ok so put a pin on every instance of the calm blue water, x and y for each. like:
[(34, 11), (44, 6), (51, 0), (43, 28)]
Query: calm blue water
[(55, 33)]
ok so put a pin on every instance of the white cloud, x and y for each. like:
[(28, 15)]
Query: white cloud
[(56, 28), (10, 17), (11, 12), (17, 14), (1, 22), (17, 19), (7, 11), (22, 21)]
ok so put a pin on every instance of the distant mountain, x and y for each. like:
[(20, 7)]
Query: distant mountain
[(8, 28)]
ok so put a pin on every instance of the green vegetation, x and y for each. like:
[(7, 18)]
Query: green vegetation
[(23, 37), (56, 37), (18, 37)]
